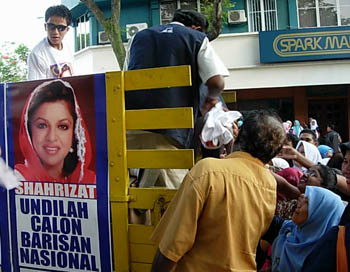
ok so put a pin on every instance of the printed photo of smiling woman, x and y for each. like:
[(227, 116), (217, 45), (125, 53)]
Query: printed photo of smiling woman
[(53, 137)]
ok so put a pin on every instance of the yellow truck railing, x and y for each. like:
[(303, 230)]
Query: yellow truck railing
[(132, 248)]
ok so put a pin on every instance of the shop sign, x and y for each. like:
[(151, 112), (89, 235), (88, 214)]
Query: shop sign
[(304, 44)]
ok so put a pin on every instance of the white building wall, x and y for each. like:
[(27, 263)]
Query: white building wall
[(95, 59), (240, 54)]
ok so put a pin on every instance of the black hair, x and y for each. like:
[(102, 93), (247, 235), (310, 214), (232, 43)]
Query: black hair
[(53, 92), (309, 131), (60, 11), (336, 161), (328, 176), (293, 138), (331, 126), (261, 135), (323, 130), (345, 147), (322, 140), (190, 18)]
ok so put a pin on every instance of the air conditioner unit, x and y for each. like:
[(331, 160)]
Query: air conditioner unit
[(103, 37), (132, 29), (236, 16)]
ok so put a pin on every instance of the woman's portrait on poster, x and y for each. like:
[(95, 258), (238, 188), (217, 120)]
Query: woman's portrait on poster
[(53, 137)]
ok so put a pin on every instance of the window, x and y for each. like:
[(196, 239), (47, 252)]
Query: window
[(262, 15), (318, 13), (82, 32), (168, 7)]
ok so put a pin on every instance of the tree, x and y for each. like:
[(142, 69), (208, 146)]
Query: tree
[(211, 8), (111, 26), (13, 62)]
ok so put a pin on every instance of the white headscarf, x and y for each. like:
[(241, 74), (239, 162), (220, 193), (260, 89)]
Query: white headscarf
[(313, 124), (279, 162), (311, 153)]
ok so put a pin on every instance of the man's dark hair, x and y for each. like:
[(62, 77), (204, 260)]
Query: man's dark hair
[(309, 131), (293, 138), (336, 161), (328, 176), (331, 126), (60, 11), (344, 147), (190, 18), (261, 135)]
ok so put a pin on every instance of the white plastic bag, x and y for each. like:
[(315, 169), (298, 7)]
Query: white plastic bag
[(217, 129), (8, 178)]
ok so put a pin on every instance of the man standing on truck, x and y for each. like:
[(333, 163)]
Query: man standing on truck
[(51, 58), (223, 206), (182, 42)]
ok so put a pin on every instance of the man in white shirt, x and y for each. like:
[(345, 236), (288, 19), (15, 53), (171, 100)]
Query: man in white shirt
[(181, 42), (51, 58)]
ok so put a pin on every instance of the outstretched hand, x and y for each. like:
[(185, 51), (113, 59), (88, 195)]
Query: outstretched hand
[(289, 153)]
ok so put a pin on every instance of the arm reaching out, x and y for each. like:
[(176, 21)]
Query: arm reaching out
[(291, 153), (284, 187), (215, 86)]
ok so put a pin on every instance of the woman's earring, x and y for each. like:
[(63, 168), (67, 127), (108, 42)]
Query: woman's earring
[(71, 150)]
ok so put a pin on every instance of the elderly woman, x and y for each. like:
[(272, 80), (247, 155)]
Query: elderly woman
[(317, 211), (332, 250)]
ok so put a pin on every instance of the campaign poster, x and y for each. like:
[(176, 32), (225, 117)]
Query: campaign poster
[(57, 141)]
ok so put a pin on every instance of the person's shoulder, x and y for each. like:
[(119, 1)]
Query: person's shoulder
[(148, 30), (39, 47), (89, 177), (206, 165), (144, 34), (20, 171)]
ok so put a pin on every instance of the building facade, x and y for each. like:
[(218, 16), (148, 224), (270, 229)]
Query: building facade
[(290, 56)]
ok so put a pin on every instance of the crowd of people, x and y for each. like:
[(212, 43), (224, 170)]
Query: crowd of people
[(229, 215), (328, 140), (319, 160)]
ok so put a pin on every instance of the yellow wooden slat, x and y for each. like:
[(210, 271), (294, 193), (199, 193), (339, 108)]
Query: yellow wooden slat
[(140, 234), (140, 267), (159, 118), (229, 97), (118, 174), (142, 253), (145, 198), (159, 159), (164, 77), (116, 133), (120, 216)]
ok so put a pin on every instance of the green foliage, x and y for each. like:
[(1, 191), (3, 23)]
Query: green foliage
[(13, 62), (207, 8)]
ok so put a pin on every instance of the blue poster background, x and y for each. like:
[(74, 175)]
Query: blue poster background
[(5, 247), (90, 92)]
